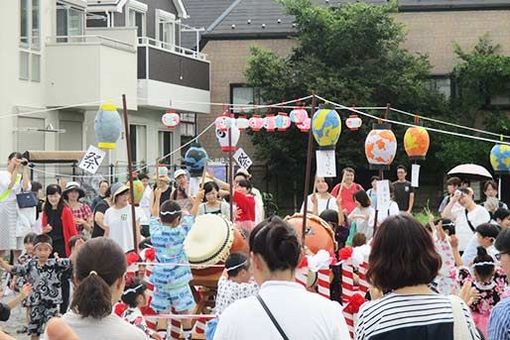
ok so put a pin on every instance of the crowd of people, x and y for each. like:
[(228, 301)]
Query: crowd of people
[(446, 279)]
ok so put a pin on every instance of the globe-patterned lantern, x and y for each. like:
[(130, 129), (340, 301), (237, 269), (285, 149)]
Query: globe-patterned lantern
[(270, 123), (500, 158), (416, 142), (256, 123), (305, 125), (170, 119), (138, 190), (242, 122), (222, 136), (326, 128), (195, 159), (298, 115), (107, 125), (282, 121), (380, 146)]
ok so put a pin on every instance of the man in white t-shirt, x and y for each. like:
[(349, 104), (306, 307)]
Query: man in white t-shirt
[(466, 214)]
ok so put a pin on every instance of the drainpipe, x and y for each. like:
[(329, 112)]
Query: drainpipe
[(107, 19)]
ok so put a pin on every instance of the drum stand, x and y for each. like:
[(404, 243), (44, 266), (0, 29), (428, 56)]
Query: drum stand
[(205, 297)]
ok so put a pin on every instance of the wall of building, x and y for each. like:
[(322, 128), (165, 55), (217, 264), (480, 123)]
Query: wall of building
[(434, 33), (228, 62)]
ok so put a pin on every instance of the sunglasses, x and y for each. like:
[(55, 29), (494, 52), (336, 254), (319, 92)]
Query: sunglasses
[(498, 256)]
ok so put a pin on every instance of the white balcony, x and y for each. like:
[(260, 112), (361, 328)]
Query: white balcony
[(90, 68)]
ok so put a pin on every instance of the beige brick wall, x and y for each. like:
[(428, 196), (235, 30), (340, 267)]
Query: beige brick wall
[(228, 62), (434, 33)]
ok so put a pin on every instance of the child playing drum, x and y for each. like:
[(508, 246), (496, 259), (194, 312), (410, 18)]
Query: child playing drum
[(168, 229)]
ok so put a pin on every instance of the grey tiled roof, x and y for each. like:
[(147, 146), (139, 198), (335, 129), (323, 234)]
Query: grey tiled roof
[(233, 19), (202, 13)]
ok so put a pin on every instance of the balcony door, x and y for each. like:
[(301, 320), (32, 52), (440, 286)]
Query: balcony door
[(165, 29), (165, 143)]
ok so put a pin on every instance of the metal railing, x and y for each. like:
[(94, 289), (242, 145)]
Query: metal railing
[(146, 41), (90, 39)]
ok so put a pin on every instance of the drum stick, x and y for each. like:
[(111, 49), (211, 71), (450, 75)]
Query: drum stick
[(203, 175)]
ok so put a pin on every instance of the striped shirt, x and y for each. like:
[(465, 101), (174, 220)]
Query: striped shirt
[(413, 316), (499, 323)]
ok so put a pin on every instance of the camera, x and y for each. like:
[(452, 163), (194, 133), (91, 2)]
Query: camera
[(24, 162), (448, 226)]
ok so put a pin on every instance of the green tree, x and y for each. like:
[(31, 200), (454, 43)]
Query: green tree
[(350, 54)]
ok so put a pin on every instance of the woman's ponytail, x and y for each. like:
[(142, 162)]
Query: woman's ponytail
[(92, 297)]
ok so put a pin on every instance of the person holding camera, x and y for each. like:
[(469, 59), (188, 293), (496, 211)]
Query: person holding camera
[(13, 180)]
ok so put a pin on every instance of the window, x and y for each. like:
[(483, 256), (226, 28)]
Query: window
[(165, 142), (71, 140), (243, 95), (165, 28), (136, 16), (501, 99), (441, 84), (30, 40), (187, 124), (138, 135), (70, 22)]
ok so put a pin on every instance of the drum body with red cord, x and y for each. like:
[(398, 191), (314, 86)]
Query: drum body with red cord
[(318, 233), (209, 242)]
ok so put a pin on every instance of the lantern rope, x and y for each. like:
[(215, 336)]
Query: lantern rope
[(127, 173), (51, 109), (412, 125), (448, 123)]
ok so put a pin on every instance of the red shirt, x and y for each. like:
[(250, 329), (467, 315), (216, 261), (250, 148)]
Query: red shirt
[(348, 203), (246, 205), (68, 227)]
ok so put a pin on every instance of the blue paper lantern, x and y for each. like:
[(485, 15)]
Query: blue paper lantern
[(500, 158), (195, 160), (107, 126), (326, 128)]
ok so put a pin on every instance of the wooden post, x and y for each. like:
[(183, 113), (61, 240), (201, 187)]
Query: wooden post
[(230, 174), (130, 173), (307, 173)]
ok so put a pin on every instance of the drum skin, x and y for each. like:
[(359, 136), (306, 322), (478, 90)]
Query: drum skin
[(240, 244), (319, 234)]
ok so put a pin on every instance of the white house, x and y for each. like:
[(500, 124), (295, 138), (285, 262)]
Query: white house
[(71, 55)]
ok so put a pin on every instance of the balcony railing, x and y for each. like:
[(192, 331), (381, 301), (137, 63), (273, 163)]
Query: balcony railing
[(92, 40), (146, 41)]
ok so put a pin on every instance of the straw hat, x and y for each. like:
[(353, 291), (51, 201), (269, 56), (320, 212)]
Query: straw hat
[(209, 240)]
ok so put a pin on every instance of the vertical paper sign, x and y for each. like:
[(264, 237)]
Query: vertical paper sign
[(415, 175), (92, 160), (326, 163), (383, 195)]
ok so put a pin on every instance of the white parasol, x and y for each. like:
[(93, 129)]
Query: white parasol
[(470, 170)]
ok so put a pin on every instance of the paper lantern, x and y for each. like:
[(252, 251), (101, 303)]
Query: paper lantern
[(416, 142), (256, 123), (380, 146), (222, 136), (107, 125), (305, 125), (195, 159), (242, 122), (500, 158), (282, 121), (138, 190), (326, 128), (298, 115), (269, 123), (170, 119), (353, 122), (223, 122)]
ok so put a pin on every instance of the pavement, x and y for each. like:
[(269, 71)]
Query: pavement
[(16, 321)]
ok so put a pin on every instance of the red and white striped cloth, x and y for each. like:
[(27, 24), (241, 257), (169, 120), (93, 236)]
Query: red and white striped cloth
[(349, 289)]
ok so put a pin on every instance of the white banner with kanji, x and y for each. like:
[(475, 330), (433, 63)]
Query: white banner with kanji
[(92, 159)]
